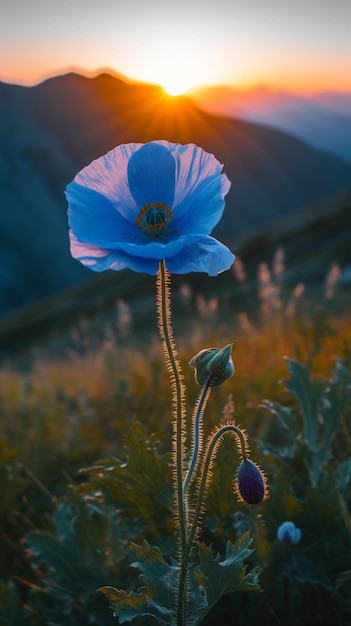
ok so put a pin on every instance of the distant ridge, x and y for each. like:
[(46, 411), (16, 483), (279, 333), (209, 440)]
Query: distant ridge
[(312, 239), (49, 131), (322, 120)]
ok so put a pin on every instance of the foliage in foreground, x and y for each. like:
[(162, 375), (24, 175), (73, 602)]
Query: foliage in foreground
[(80, 538), (65, 533)]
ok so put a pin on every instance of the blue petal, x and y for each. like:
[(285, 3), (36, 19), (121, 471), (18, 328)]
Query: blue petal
[(94, 219), (151, 175), (108, 176), (101, 259), (206, 255), (193, 165), (203, 208), (157, 250), (190, 254)]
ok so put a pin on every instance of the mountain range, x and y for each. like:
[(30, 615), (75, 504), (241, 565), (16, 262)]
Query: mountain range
[(322, 120), (312, 239), (50, 131)]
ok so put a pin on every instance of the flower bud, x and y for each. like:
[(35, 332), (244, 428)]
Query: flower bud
[(288, 534), (251, 484), (214, 365)]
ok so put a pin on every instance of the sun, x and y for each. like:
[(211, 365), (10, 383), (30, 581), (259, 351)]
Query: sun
[(176, 68), (175, 85), (176, 58)]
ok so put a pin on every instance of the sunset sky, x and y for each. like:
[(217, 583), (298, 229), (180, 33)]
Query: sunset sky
[(297, 45)]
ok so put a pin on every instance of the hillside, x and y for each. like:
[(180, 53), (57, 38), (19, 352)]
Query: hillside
[(322, 120), (48, 132), (312, 239)]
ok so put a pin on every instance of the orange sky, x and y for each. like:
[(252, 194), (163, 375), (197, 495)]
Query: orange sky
[(298, 46)]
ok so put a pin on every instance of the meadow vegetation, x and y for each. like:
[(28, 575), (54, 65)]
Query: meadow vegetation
[(85, 456)]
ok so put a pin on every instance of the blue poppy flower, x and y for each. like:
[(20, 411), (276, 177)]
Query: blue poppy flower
[(288, 534), (143, 203)]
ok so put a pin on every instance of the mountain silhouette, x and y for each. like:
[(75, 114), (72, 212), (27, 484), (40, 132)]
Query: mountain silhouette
[(322, 120), (50, 131)]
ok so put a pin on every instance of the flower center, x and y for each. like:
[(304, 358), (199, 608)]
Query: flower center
[(154, 217)]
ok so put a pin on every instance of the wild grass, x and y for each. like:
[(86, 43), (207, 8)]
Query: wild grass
[(64, 412), (79, 403)]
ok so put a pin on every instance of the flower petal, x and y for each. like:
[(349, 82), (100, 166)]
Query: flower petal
[(101, 259), (158, 250), (201, 211), (193, 165), (205, 255), (151, 175), (108, 176), (94, 219)]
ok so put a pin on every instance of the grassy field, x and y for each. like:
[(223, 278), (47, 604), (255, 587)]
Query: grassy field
[(101, 401)]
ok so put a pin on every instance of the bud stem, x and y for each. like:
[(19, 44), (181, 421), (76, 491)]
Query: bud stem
[(210, 452), (199, 410)]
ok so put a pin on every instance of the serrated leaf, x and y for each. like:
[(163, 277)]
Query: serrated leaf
[(314, 464), (342, 379), (130, 606), (288, 452), (51, 553), (330, 417), (157, 598), (308, 394), (197, 604), (218, 578), (139, 484), (284, 414)]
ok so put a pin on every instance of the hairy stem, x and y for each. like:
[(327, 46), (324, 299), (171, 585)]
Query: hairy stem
[(199, 409), (210, 453), (179, 427)]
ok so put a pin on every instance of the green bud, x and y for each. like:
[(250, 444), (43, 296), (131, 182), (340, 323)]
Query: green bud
[(214, 365)]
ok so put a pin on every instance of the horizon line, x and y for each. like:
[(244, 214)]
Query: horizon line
[(91, 74)]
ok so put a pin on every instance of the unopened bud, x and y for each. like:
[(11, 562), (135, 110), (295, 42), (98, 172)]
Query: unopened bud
[(251, 483), (213, 365)]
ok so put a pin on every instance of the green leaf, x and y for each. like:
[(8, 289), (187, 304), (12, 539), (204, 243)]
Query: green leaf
[(342, 382), (286, 452), (342, 476), (157, 599), (130, 606), (207, 583), (284, 414), (57, 559), (308, 394), (218, 578), (315, 463), (139, 485)]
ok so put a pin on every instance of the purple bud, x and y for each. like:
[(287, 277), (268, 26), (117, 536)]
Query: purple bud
[(251, 484), (288, 534)]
